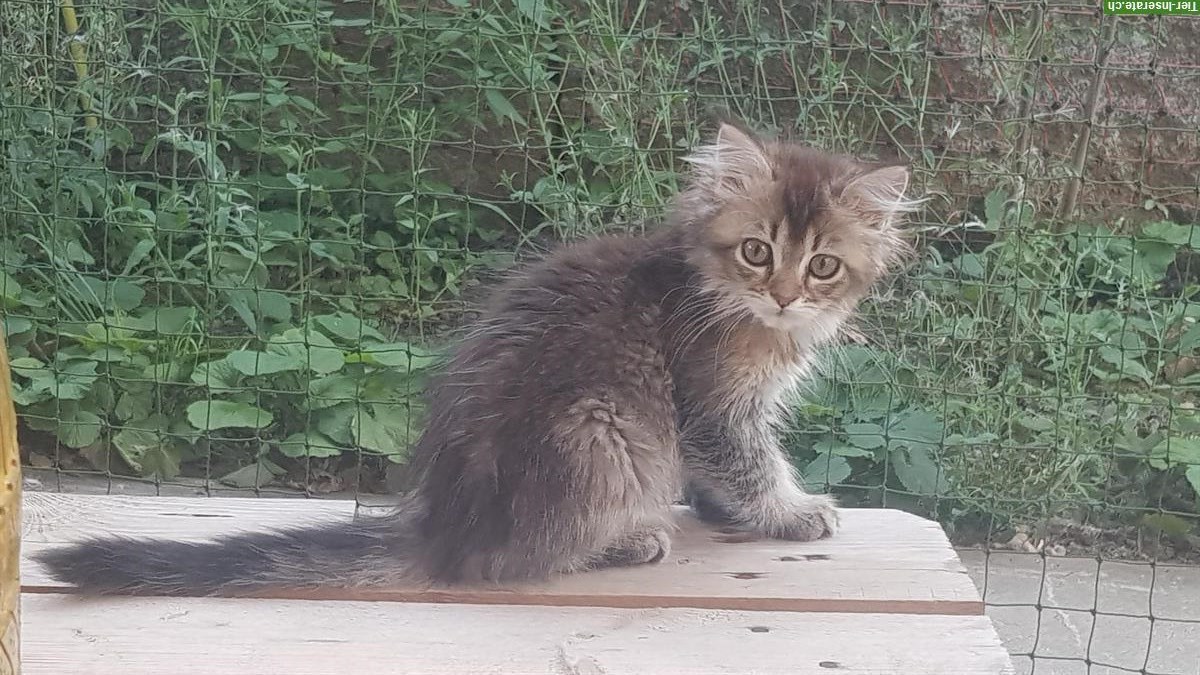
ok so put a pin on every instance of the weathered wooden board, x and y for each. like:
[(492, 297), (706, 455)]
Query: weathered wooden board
[(10, 522), (883, 561), (215, 636)]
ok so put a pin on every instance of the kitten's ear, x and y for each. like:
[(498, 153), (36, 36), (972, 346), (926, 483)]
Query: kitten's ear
[(731, 163), (879, 194)]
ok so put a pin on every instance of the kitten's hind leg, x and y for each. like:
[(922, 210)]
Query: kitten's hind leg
[(642, 546)]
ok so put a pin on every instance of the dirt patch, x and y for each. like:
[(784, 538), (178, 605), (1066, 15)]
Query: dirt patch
[(1064, 538)]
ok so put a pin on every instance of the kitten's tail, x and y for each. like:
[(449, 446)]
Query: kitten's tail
[(369, 551)]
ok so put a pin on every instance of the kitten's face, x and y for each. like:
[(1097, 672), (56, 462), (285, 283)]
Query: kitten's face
[(788, 274), (795, 236)]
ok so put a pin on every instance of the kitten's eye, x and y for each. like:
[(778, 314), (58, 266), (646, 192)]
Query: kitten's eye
[(824, 266), (756, 252)]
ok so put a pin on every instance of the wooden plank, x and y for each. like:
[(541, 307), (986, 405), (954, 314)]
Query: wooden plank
[(10, 525), (882, 561), (214, 636)]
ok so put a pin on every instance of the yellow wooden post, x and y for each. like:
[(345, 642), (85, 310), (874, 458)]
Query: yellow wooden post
[(10, 525), (78, 57)]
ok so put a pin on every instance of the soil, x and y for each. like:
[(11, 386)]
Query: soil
[(1066, 538)]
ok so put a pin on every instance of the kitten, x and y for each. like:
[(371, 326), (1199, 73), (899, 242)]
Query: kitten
[(600, 385)]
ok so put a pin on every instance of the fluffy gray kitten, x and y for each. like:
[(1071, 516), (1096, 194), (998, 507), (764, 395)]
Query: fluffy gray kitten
[(600, 385)]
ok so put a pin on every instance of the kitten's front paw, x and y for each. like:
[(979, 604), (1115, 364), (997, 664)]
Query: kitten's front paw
[(816, 518)]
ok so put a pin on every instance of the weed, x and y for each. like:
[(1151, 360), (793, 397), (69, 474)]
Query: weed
[(247, 268)]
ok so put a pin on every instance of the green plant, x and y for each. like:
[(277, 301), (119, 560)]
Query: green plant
[(150, 257), (1059, 363), (863, 425), (142, 386), (239, 269)]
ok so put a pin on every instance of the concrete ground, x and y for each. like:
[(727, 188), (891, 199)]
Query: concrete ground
[(1091, 612), (1057, 616)]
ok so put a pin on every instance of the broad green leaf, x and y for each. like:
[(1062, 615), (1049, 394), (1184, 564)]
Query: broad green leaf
[(25, 365), (535, 10), (110, 295), (283, 224), (1153, 258), (134, 404), (250, 305), (867, 436), (385, 429), (831, 446), (1176, 450), (75, 379), (1171, 233), (347, 327), (253, 475), (1101, 323), (137, 255), (78, 428), (311, 443), (167, 320), (1128, 364), (1193, 476), (103, 397), (162, 461), (37, 390), (969, 265), (14, 325), (254, 363), (111, 333), (146, 446), (334, 389), (10, 288), (825, 470), (915, 426), (916, 470), (219, 376), (1190, 341), (183, 431), (396, 355), (210, 415), (110, 355), (45, 415), (1131, 344), (994, 207), (75, 252), (337, 421), (164, 372), (311, 349), (329, 179), (1110, 355), (501, 107), (1135, 370)]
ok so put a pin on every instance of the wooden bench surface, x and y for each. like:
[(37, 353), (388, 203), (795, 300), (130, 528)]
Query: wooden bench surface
[(887, 596), (148, 636), (882, 562)]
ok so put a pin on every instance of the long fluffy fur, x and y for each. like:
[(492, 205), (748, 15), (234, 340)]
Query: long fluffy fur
[(600, 383), (354, 554)]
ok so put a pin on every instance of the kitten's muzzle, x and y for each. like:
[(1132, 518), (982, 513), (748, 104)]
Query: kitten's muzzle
[(784, 298)]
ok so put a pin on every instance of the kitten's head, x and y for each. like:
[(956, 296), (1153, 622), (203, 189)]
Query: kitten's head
[(796, 235)]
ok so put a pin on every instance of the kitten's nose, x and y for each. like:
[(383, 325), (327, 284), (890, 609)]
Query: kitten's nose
[(784, 297)]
